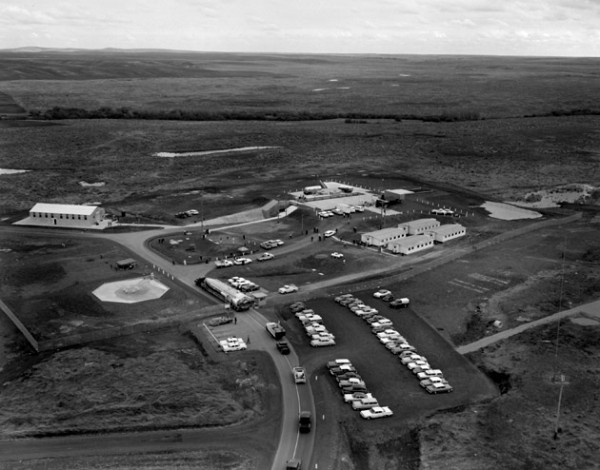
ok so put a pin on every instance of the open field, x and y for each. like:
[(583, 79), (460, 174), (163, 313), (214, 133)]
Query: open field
[(140, 382), (500, 158), (49, 285), (221, 83), (517, 430)]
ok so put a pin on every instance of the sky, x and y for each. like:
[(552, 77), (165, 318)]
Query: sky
[(488, 27)]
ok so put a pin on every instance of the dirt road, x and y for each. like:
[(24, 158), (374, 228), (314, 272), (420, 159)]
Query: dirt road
[(592, 308)]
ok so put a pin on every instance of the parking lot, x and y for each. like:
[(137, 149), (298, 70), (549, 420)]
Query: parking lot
[(393, 384)]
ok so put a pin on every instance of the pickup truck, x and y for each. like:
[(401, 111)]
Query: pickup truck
[(275, 330)]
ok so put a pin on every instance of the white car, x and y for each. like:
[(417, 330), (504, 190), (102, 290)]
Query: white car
[(364, 404), (315, 343), (338, 362), (389, 333), (324, 335), (223, 263), (411, 358), (232, 344), (382, 293), (376, 412), (309, 317), (299, 375), (265, 257), (288, 289), (240, 261), (337, 255), (315, 329), (278, 242), (350, 397), (329, 233)]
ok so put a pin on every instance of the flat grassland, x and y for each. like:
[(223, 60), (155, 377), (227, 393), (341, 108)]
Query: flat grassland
[(220, 83)]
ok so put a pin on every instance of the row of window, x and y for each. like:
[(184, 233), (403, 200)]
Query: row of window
[(420, 245), (60, 216), (454, 234)]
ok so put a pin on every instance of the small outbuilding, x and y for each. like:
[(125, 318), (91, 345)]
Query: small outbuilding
[(66, 215), (128, 263), (448, 232), (410, 245), (395, 195)]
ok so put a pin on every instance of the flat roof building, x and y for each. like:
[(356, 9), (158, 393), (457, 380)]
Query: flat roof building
[(384, 236), (392, 195), (448, 232), (410, 245), (66, 215), (419, 226)]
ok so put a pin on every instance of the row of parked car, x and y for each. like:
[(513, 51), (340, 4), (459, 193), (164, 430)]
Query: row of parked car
[(354, 390), (432, 380), (313, 325)]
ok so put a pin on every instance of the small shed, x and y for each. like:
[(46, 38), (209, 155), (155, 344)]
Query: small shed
[(128, 263), (393, 195)]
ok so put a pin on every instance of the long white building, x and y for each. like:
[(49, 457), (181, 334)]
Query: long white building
[(66, 215), (384, 236), (448, 232), (410, 245), (419, 226)]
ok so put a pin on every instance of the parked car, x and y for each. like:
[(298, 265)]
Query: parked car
[(329, 233), (342, 368), (337, 255), (400, 303), (315, 343), (351, 381), (381, 293), (242, 260), (223, 263), (297, 307), (288, 289), (267, 245), (439, 388), (376, 412), (387, 298), (364, 404), (265, 257), (232, 344), (350, 397), (283, 347), (339, 298), (338, 362)]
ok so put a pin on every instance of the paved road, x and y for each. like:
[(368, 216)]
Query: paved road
[(592, 308)]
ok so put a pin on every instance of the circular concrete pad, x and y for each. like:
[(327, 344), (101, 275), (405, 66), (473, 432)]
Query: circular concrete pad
[(131, 291)]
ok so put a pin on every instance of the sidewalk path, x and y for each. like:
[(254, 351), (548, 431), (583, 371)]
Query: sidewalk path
[(592, 308)]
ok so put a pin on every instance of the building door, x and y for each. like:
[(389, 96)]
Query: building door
[(54, 220)]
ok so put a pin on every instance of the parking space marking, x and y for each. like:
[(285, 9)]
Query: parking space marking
[(468, 286), (492, 280)]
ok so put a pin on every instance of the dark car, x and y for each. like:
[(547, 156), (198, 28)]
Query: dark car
[(283, 347), (305, 421)]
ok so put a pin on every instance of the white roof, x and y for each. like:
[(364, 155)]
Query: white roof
[(421, 223), (73, 209), (386, 232), (399, 191)]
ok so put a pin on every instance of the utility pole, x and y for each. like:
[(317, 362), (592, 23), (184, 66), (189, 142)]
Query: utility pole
[(556, 427)]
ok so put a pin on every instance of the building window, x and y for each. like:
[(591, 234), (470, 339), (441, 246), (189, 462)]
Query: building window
[(61, 216), (85, 217)]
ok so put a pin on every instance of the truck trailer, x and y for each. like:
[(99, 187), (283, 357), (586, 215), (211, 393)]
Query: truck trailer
[(223, 291)]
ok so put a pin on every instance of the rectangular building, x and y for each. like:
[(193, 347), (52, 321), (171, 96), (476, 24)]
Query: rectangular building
[(410, 245), (66, 215), (393, 195), (448, 232), (419, 226), (384, 236)]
